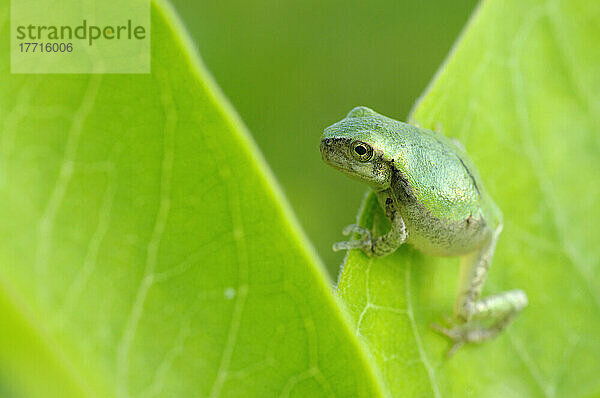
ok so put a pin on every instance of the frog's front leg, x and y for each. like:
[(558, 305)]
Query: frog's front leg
[(384, 244), (481, 319)]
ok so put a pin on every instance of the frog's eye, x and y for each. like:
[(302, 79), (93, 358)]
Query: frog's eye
[(361, 151)]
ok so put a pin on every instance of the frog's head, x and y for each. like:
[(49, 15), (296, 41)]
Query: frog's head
[(356, 146)]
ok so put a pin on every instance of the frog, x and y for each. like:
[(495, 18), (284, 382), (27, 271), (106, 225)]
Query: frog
[(435, 201)]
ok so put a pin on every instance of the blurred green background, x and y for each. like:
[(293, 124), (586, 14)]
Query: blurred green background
[(291, 68)]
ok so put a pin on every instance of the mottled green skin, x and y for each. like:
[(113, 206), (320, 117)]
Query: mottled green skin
[(433, 196), (435, 186)]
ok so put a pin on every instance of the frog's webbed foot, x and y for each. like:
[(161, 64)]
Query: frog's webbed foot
[(461, 334), (453, 334), (365, 241)]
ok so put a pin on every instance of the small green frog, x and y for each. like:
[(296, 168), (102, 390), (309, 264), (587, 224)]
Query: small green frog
[(435, 201)]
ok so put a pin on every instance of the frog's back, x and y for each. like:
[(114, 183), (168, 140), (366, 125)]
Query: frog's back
[(439, 189)]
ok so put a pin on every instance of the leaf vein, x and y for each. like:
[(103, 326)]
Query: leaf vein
[(530, 151), (47, 220), (129, 332), (91, 256), (413, 325), (243, 288)]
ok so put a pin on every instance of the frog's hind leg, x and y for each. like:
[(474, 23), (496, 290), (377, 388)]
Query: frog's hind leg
[(481, 319)]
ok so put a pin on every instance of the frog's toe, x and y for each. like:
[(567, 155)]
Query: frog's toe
[(338, 246), (458, 335), (441, 329), (364, 242), (352, 244), (450, 321), (357, 229), (453, 348)]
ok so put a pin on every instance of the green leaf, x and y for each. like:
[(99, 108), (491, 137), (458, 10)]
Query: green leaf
[(145, 249), (521, 91)]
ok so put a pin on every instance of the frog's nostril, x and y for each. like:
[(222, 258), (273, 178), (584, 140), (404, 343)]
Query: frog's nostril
[(327, 150), (324, 146)]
